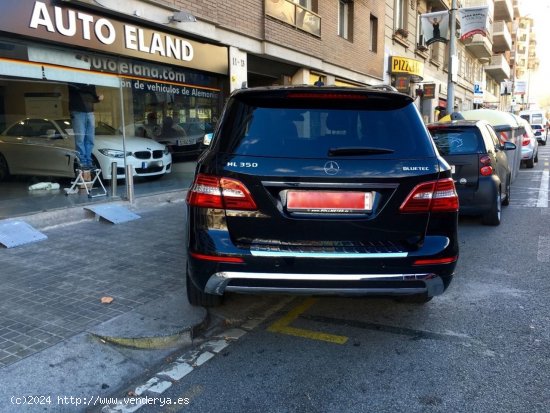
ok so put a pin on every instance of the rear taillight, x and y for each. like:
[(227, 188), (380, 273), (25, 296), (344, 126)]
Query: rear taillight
[(216, 258), (210, 191), (433, 196), (485, 168), (525, 141)]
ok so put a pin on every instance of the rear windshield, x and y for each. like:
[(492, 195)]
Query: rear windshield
[(456, 141), (323, 128)]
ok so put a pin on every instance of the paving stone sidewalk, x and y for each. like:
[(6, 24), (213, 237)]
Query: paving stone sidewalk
[(51, 290)]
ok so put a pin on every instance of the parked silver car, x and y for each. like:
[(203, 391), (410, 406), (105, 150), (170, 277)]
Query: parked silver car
[(45, 147), (529, 145)]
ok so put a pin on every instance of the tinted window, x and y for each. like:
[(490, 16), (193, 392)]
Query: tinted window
[(311, 131), (455, 141)]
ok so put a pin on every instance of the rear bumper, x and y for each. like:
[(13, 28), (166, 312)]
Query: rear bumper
[(324, 272), (373, 284), (527, 153), (481, 199)]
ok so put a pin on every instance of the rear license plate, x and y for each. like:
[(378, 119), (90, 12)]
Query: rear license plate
[(334, 202), (185, 142)]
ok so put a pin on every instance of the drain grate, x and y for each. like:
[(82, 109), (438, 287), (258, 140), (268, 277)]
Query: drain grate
[(113, 213), (14, 233)]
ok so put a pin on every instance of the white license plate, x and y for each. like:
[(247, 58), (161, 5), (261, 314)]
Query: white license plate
[(329, 201), (152, 164), (185, 142)]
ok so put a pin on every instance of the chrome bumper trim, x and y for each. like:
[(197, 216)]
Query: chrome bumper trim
[(218, 283), (343, 255)]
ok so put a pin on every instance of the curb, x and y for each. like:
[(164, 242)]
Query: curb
[(158, 324)]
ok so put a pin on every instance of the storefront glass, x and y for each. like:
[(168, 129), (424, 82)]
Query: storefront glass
[(151, 117)]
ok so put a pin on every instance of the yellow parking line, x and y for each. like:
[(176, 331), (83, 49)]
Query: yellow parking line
[(282, 326)]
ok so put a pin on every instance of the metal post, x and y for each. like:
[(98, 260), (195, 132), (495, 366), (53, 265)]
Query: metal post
[(452, 57), (114, 173), (130, 183)]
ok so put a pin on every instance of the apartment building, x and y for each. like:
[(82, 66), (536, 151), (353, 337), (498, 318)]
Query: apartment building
[(525, 61), (483, 61)]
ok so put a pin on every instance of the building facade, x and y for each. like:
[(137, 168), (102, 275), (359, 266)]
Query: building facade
[(180, 59)]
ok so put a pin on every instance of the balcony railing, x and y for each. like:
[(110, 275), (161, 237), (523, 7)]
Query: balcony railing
[(498, 68), (502, 39), (295, 15)]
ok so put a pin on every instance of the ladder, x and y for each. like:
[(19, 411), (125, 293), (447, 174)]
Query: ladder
[(84, 180)]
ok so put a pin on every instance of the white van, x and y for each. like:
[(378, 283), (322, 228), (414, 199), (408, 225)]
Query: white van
[(534, 116)]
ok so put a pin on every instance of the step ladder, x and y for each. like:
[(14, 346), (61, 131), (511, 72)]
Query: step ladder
[(85, 181)]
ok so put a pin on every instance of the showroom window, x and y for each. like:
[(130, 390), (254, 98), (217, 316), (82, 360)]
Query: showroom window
[(151, 118)]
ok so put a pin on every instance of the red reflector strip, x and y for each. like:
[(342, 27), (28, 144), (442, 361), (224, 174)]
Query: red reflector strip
[(216, 258), (327, 200), (431, 261)]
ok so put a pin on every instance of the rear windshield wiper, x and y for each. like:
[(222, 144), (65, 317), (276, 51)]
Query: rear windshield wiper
[(358, 150)]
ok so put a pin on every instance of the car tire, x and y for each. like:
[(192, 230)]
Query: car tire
[(536, 157), (197, 297), (4, 170), (492, 217), (506, 201), (530, 163)]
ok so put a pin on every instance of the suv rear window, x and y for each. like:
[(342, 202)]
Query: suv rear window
[(311, 127), (456, 141)]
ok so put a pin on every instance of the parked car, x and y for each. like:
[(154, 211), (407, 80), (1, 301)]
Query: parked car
[(480, 167), (321, 190), (181, 139), (540, 132), (529, 145), (195, 132), (45, 147)]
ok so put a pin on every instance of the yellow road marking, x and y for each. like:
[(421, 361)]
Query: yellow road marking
[(283, 326)]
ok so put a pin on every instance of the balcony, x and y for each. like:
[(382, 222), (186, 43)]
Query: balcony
[(516, 7), (504, 10), (502, 39), (480, 46), (295, 15), (498, 68), (438, 5)]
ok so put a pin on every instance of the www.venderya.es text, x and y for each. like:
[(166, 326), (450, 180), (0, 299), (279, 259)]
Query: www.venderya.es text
[(97, 400)]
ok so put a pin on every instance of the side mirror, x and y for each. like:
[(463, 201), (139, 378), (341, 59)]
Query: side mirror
[(509, 146), (207, 139)]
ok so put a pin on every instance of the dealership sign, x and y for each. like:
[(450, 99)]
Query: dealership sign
[(43, 20)]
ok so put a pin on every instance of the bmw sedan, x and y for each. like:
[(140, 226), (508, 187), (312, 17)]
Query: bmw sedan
[(45, 147)]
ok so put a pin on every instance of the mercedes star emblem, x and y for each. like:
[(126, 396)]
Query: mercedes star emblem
[(331, 168)]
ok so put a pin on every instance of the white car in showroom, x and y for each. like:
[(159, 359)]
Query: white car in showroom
[(45, 147)]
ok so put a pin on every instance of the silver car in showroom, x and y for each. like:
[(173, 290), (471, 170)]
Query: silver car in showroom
[(45, 147)]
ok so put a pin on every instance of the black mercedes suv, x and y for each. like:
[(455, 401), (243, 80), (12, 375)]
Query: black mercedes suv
[(321, 190)]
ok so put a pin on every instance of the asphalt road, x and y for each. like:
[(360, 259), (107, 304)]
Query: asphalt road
[(483, 346)]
